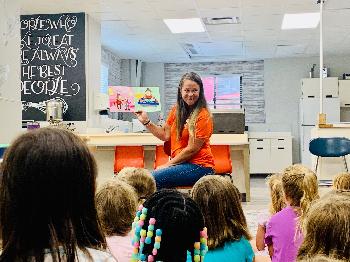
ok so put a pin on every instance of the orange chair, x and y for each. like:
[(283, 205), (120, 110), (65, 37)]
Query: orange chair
[(160, 157), (222, 159), (128, 156)]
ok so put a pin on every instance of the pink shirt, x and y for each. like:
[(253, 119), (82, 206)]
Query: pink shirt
[(120, 247)]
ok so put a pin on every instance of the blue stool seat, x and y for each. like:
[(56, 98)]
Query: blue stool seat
[(330, 147), (2, 149)]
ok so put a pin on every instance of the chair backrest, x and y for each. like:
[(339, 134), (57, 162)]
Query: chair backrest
[(128, 156), (160, 157), (222, 159), (330, 146)]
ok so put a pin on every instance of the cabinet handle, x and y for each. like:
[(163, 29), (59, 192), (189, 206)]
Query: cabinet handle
[(311, 96), (347, 104), (280, 139), (259, 148), (280, 147), (260, 140)]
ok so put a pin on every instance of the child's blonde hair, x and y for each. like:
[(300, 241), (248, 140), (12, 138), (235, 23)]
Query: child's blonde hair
[(220, 203), (342, 181), (140, 179), (300, 187), (116, 204), (327, 227), (321, 258), (276, 191)]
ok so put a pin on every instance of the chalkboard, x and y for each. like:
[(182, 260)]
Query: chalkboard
[(53, 65)]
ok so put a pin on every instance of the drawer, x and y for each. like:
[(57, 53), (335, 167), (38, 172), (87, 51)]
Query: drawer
[(259, 143), (281, 143)]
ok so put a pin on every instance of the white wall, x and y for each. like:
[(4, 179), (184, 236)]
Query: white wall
[(93, 67), (10, 89)]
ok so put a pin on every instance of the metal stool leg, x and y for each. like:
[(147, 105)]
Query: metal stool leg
[(316, 164), (345, 164)]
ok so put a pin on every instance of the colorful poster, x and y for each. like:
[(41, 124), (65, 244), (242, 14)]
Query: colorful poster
[(147, 99), (121, 99), (131, 99)]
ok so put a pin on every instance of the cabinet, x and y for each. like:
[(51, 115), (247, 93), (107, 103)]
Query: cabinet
[(270, 152), (310, 87), (344, 93)]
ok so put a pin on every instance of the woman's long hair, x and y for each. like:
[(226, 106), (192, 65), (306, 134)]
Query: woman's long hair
[(47, 197), (183, 111)]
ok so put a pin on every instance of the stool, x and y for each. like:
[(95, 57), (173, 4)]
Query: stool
[(330, 147), (128, 156)]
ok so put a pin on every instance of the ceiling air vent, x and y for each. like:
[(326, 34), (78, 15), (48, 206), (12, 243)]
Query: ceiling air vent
[(221, 20)]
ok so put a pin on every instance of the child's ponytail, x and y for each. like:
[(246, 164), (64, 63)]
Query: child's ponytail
[(310, 188)]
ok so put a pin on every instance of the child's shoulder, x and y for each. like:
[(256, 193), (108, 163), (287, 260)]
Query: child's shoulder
[(283, 215)]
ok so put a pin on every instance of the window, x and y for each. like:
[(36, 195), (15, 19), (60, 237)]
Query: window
[(104, 79), (223, 91)]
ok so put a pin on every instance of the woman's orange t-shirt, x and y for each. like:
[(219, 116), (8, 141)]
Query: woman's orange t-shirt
[(203, 130)]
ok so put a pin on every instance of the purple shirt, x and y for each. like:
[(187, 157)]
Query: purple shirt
[(281, 233)]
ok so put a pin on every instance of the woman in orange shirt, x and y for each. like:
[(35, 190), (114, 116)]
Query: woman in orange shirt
[(189, 127)]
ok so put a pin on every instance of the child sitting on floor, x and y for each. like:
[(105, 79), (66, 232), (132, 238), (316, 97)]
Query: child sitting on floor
[(116, 204), (342, 181), (140, 179), (220, 203), (169, 227), (283, 235), (327, 228)]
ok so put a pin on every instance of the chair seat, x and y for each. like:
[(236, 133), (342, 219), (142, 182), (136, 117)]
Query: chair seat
[(330, 146)]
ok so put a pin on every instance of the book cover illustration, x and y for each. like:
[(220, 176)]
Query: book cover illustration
[(147, 99), (121, 99)]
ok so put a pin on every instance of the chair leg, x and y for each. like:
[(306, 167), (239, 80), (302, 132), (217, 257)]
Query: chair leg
[(316, 164), (346, 165)]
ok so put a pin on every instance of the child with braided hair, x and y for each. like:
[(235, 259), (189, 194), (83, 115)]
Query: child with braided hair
[(283, 232), (169, 227), (228, 235)]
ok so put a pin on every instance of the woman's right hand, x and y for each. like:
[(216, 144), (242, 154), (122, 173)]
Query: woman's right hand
[(142, 116)]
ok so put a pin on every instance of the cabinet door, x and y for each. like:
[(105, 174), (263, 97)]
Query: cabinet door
[(344, 93), (259, 155), (310, 87), (281, 154)]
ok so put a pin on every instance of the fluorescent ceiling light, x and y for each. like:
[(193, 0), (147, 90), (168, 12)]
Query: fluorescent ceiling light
[(187, 25), (299, 21)]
